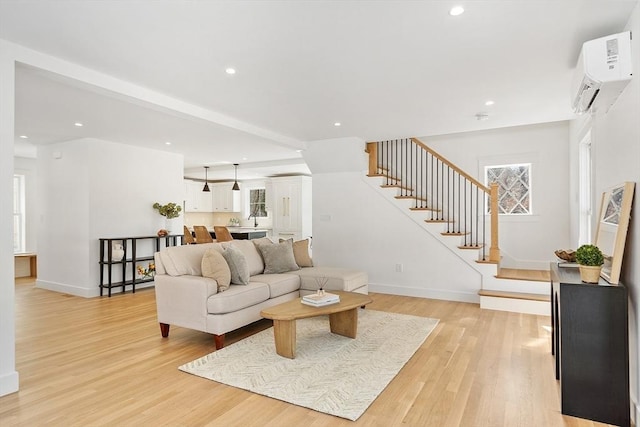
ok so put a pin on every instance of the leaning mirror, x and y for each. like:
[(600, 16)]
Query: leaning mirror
[(611, 232)]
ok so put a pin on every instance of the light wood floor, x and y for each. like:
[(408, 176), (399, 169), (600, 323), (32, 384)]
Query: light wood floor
[(101, 361)]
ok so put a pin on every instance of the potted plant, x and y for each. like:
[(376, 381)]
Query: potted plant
[(590, 260), (169, 211)]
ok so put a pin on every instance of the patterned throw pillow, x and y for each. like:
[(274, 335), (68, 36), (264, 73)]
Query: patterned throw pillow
[(237, 265), (215, 267), (301, 252), (278, 258)]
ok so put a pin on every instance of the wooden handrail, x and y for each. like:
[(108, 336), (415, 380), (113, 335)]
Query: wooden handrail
[(492, 190), (452, 166)]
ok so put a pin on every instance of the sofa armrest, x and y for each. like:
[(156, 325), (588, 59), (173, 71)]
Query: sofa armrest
[(182, 300)]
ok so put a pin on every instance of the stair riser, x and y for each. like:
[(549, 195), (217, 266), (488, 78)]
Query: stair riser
[(509, 285), (540, 308)]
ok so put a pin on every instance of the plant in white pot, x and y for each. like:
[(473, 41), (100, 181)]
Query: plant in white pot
[(169, 211), (590, 260)]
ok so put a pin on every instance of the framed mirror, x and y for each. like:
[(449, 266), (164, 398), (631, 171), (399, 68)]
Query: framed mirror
[(611, 232)]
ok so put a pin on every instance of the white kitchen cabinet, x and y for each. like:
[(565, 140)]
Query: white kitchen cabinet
[(224, 198), (195, 199), (291, 207)]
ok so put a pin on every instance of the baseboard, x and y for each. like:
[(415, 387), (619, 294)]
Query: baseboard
[(67, 289), (9, 383), (84, 292), (425, 293)]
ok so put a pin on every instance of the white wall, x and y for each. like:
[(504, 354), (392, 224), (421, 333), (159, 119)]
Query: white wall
[(526, 241), (95, 189), (8, 373), (356, 227), (27, 167), (616, 158)]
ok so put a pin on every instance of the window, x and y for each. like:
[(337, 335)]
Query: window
[(257, 203), (514, 187), (18, 214)]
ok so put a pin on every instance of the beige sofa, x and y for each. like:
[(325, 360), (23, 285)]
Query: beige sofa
[(185, 298)]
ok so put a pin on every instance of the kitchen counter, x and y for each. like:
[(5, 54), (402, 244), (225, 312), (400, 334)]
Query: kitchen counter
[(245, 233)]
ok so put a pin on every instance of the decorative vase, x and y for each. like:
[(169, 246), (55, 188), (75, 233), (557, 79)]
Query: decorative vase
[(168, 224), (117, 252), (590, 274)]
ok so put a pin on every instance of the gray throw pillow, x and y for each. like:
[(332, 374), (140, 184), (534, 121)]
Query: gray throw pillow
[(278, 257), (237, 265)]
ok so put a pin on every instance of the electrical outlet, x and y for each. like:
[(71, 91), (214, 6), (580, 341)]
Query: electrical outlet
[(399, 268)]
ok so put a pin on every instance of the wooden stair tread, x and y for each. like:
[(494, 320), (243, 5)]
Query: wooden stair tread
[(514, 295), (411, 198), (424, 209), (437, 220), (487, 261), (454, 233), (397, 186), (523, 274), (470, 247)]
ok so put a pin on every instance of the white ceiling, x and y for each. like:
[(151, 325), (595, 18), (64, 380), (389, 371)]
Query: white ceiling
[(384, 69)]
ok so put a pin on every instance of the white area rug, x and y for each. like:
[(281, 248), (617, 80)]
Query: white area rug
[(331, 373)]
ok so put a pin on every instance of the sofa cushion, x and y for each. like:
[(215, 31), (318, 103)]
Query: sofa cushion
[(237, 297), (185, 259), (214, 266), (251, 254), (237, 265), (279, 284), (301, 252), (338, 279), (278, 257)]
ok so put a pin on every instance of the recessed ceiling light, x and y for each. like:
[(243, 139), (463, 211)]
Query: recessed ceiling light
[(489, 103), (244, 158), (24, 136), (456, 11), (336, 124), (167, 143), (78, 124), (230, 70), (298, 151)]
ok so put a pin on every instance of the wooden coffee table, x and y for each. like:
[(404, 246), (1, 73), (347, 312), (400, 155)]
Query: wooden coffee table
[(343, 319)]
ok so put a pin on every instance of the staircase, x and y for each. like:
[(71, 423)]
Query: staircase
[(461, 213)]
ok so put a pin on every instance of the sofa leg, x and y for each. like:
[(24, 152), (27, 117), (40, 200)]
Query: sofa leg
[(219, 340), (164, 329)]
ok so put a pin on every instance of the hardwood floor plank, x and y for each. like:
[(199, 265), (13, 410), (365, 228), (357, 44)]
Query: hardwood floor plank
[(102, 362)]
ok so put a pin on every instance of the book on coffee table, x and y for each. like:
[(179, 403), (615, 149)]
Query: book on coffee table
[(319, 304), (319, 300)]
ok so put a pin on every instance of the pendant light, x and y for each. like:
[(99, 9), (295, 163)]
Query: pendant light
[(206, 179), (236, 187)]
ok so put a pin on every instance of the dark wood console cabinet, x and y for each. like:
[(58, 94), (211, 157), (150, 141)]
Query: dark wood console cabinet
[(590, 342), (133, 254)]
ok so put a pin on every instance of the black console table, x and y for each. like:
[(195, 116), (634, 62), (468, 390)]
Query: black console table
[(590, 342), (133, 254)]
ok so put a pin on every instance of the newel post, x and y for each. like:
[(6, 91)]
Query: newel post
[(494, 250), (372, 149)]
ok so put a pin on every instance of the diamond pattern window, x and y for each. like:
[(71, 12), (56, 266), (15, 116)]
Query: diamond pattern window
[(514, 187)]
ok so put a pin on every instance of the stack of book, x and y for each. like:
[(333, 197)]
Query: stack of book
[(320, 299)]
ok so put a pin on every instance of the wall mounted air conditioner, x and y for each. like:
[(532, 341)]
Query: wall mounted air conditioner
[(602, 72)]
